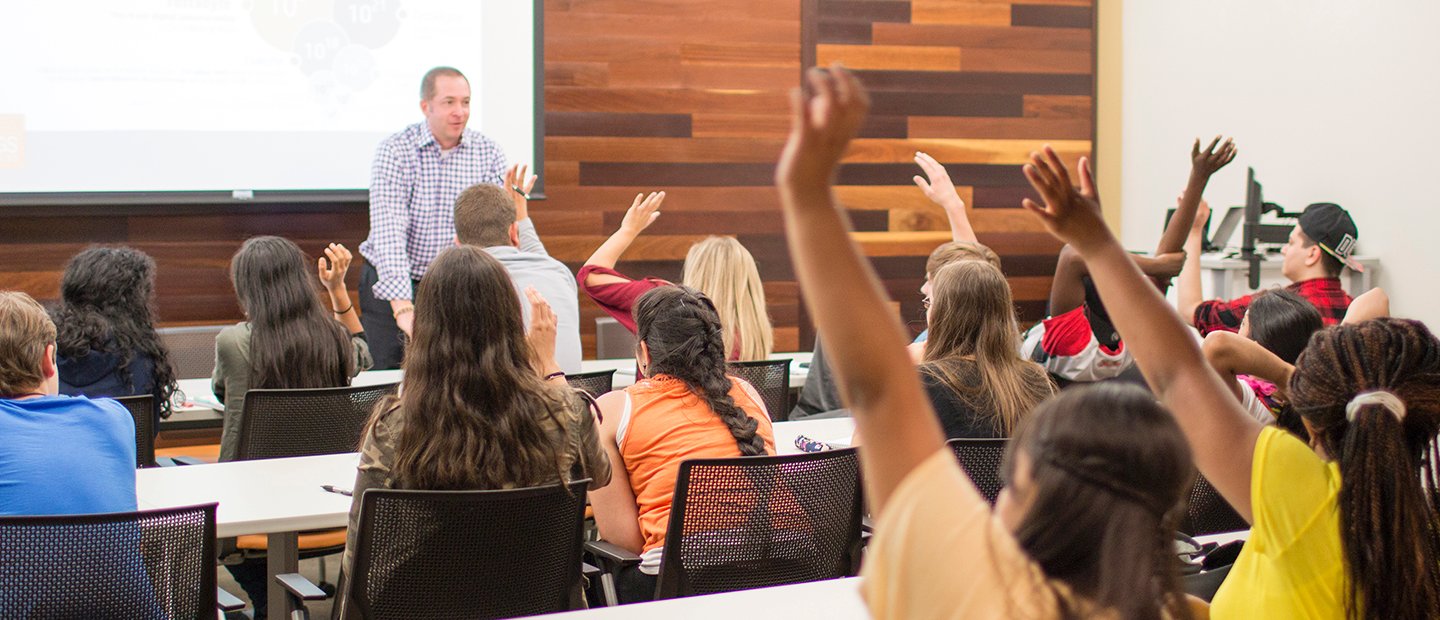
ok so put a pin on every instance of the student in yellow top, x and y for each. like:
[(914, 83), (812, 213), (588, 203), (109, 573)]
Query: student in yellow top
[(1085, 527), (1342, 528)]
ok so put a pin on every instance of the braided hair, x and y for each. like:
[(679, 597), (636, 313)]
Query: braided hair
[(680, 327), (1384, 447)]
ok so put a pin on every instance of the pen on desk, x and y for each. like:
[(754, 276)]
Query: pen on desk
[(334, 489)]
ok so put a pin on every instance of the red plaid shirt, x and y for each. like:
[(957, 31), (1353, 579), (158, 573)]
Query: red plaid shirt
[(1327, 295)]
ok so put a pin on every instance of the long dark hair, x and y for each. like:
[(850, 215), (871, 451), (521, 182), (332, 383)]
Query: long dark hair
[(1282, 321), (1387, 515), (1109, 468), (107, 297), (974, 334), (294, 342), (681, 328), (474, 404)]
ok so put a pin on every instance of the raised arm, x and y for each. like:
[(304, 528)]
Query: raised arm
[(518, 183), (1191, 292), (1231, 354), (1203, 164), (1372, 304), (864, 341), (331, 269), (941, 191), (641, 215), (1220, 433)]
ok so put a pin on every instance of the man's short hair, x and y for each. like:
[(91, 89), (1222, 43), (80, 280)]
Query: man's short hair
[(427, 83), (955, 251), (483, 215), (25, 331)]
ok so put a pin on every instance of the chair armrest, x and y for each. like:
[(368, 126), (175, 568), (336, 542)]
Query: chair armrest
[(611, 554), (589, 571), (227, 601), (172, 461), (300, 587)]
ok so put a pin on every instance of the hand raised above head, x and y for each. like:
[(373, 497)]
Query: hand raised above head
[(1212, 159), (824, 120), (643, 212), (936, 183), (1071, 214), (332, 267), (517, 177)]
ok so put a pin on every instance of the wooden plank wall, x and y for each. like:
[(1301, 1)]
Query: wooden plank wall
[(690, 96)]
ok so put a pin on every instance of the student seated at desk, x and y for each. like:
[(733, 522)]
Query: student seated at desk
[(289, 340), (107, 345), (719, 267), (481, 406), (685, 408), (1085, 527), (62, 454)]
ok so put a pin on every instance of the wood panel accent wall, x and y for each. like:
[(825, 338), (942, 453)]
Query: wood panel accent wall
[(690, 96)]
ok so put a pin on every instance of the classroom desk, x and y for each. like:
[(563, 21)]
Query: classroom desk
[(205, 410), (832, 599), (281, 497)]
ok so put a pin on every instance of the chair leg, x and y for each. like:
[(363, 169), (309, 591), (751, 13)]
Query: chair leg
[(324, 584), (607, 588)]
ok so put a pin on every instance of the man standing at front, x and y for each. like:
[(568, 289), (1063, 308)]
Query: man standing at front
[(416, 177)]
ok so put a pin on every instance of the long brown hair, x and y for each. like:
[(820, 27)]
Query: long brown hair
[(973, 332), (1387, 516), (680, 327), (294, 340), (475, 406), (1109, 468)]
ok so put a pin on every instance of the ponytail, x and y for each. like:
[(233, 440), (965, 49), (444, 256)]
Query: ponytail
[(680, 327)]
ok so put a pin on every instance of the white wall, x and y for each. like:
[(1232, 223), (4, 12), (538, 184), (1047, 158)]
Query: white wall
[(1329, 100)]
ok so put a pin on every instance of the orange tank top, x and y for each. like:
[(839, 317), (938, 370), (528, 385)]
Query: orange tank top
[(665, 424)]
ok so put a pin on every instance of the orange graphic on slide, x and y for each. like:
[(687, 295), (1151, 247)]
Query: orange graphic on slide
[(12, 140)]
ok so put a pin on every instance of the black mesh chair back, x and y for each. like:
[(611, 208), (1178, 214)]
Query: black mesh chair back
[(468, 554), (285, 423), (594, 383), (1208, 513), (753, 522), (142, 408), (192, 349), (771, 379), (150, 564), (982, 459)]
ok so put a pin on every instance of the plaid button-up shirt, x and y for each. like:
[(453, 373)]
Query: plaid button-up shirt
[(412, 201), (1325, 293)]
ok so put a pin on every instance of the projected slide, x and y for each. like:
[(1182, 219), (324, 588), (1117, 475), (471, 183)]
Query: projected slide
[(222, 95)]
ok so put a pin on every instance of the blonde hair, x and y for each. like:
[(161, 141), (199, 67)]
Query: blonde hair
[(725, 272), (974, 333), (25, 331), (953, 251)]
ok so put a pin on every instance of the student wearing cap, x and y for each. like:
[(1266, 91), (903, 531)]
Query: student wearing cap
[(1319, 248)]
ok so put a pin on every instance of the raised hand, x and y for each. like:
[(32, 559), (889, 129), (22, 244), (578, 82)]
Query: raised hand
[(938, 188), (1071, 214), (541, 334), (333, 265), (518, 184), (642, 213), (1208, 161), (822, 127)]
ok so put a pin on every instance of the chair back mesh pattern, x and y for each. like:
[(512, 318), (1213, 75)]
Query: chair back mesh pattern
[(152, 564), (981, 459), (594, 383), (468, 554), (1208, 513), (285, 423), (192, 349), (753, 522), (771, 379), (142, 408)]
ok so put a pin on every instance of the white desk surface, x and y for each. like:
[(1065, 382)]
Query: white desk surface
[(206, 405), (284, 495), (256, 497), (834, 599)]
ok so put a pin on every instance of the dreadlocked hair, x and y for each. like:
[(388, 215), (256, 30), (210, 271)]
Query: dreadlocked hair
[(1387, 463), (681, 329)]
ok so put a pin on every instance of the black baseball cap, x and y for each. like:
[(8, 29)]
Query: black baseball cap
[(1330, 226)]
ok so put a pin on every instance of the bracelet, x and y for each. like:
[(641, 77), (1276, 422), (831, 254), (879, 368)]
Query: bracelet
[(347, 309), (404, 310), (554, 374)]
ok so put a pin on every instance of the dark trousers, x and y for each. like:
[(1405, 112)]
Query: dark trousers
[(381, 332), (250, 575)]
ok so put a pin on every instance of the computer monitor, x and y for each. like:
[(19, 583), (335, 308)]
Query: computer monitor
[(1233, 217)]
